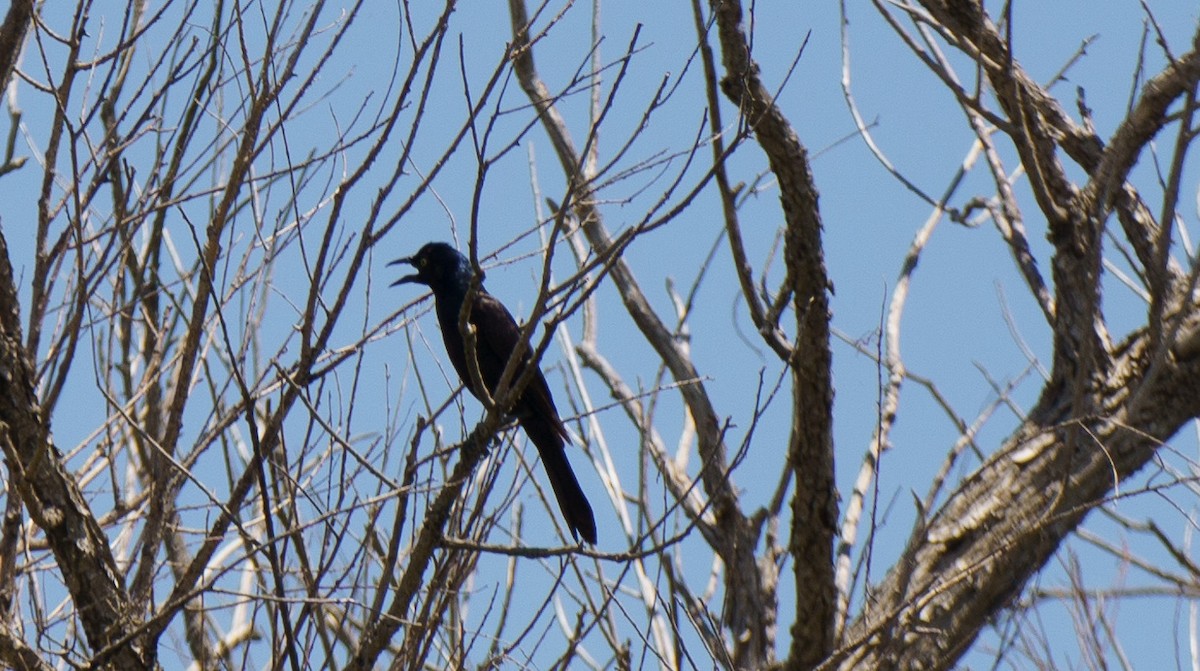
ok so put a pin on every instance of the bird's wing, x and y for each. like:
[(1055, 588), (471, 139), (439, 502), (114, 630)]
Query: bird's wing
[(497, 335)]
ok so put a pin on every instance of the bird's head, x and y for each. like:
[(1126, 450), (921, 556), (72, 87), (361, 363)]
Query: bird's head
[(439, 267)]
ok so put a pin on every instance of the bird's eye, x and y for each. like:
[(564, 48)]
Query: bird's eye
[(422, 262)]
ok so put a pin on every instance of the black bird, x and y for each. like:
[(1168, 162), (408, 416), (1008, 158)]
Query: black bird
[(448, 274)]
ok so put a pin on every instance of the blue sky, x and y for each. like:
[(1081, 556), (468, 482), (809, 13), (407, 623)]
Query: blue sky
[(955, 331)]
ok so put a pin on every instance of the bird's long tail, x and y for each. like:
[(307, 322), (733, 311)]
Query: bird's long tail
[(571, 499)]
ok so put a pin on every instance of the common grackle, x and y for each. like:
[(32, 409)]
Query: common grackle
[(448, 274)]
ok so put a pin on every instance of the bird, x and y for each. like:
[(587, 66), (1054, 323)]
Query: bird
[(448, 273)]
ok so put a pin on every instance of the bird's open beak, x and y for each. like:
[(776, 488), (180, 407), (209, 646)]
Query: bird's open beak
[(407, 278)]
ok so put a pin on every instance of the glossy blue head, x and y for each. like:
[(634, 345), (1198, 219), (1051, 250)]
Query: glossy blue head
[(439, 267)]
